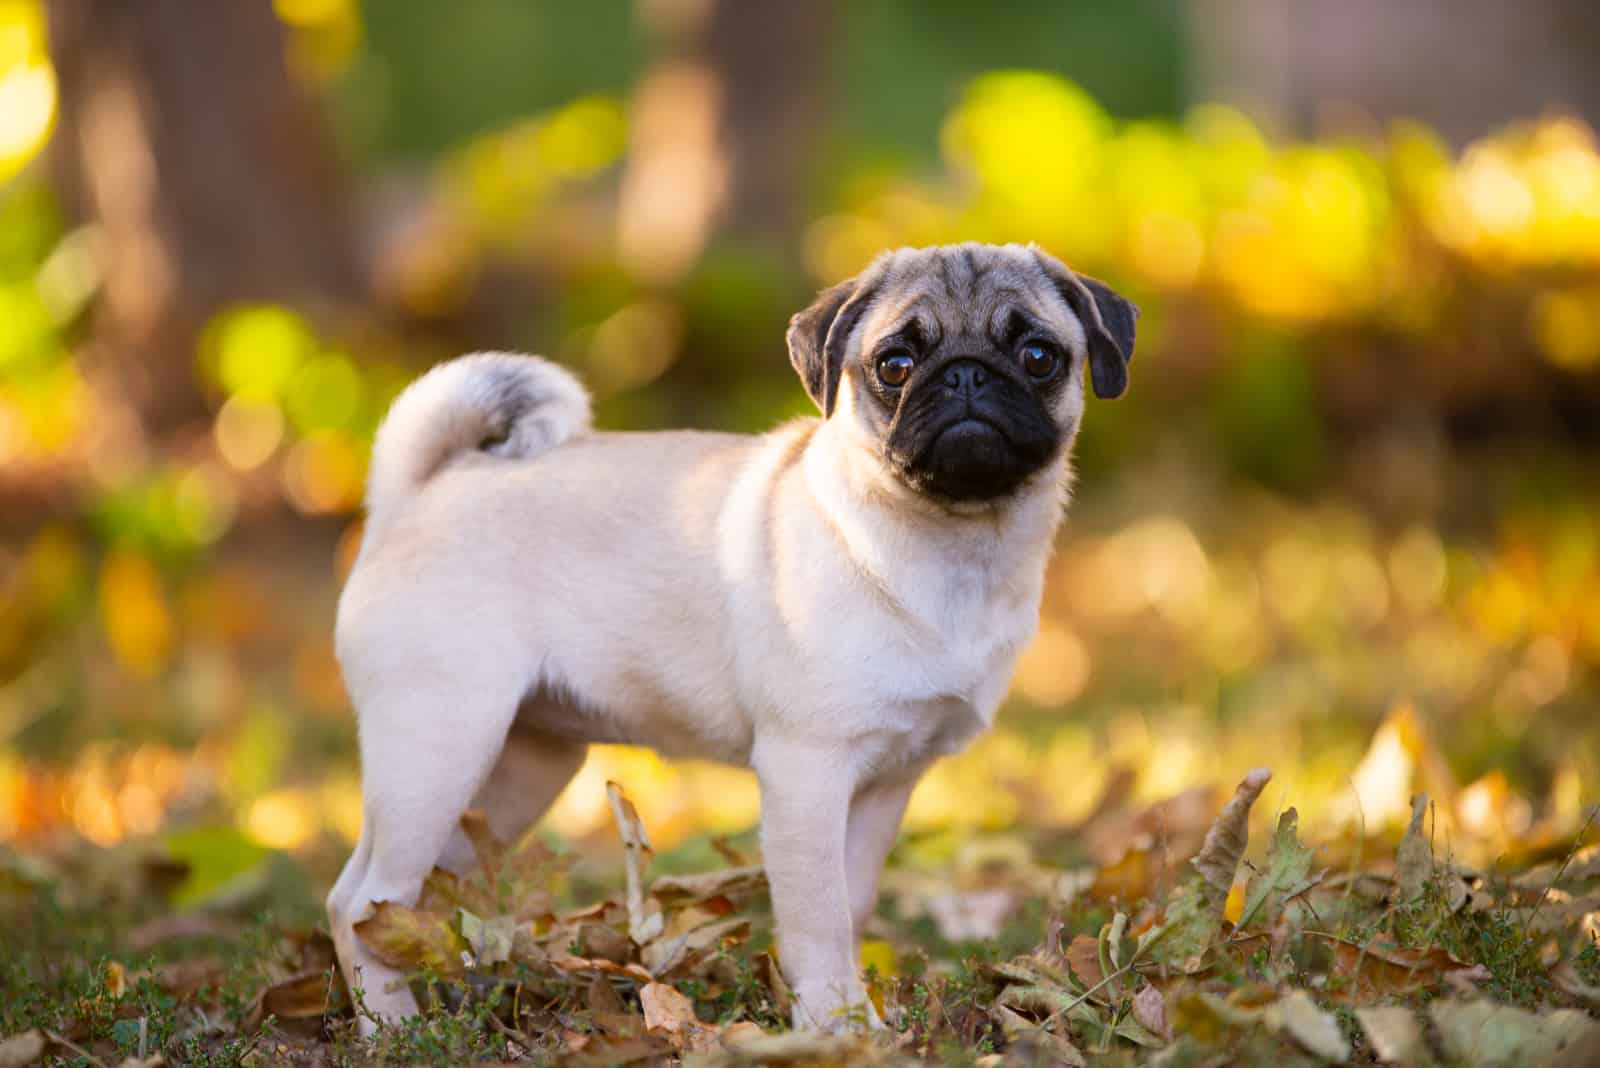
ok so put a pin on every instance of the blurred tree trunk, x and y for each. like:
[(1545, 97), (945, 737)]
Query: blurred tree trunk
[(1462, 66), (725, 127), (206, 173)]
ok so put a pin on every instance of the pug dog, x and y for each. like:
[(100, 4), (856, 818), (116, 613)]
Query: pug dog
[(834, 604)]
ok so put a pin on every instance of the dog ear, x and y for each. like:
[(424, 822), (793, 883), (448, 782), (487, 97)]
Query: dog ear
[(1108, 319), (818, 336)]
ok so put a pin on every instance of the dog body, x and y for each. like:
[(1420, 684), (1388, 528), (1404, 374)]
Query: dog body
[(834, 604)]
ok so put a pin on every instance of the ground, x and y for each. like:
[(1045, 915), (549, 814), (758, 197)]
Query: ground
[(1190, 947)]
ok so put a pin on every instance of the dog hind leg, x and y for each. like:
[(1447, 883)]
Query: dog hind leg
[(532, 770), (425, 752)]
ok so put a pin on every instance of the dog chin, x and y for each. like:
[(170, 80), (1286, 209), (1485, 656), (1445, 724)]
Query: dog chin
[(969, 461)]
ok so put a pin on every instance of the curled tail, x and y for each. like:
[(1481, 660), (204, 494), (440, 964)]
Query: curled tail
[(497, 402)]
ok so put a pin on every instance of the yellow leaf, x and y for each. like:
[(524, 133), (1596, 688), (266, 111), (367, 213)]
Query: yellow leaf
[(411, 938), (1233, 907), (116, 979), (879, 955)]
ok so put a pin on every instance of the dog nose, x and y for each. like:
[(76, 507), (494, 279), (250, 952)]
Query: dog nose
[(966, 376)]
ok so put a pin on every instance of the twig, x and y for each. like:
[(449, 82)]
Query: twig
[(511, 1033), (1577, 843), (62, 1040), (1087, 994)]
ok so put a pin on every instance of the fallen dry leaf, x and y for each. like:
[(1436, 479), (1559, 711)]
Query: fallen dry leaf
[(1581, 867), (741, 1031), (1083, 957), (645, 921), (1150, 1009), (569, 963), (1288, 872), (1047, 1045), (1566, 977), (22, 1049), (1225, 842), (1378, 970), (305, 996), (666, 954), (674, 891), (1394, 1033), (489, 940), (1414, 857), (412, 938), (665, 1008), (1315, 1030), (669, 1013), (1482, 1034)]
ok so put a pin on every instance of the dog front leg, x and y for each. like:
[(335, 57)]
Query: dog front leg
[(875, 816), (805, 808)]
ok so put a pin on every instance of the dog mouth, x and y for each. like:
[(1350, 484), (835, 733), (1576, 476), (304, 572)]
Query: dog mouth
[(969, 458)]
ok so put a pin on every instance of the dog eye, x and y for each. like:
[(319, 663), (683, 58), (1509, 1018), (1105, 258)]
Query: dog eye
[(895, 367), (1038, 360)]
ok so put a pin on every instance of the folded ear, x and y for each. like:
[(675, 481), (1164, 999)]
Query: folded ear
[(1108, 319), (818, 337)]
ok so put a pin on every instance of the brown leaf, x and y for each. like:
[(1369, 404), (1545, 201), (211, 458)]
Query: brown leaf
[(412, 938), (1083, 957), (1225, 842), (568, 963), (665, 1008), (670, 1013), (675, 891), (740, 1032), (1150, 1009), (1378, 970), (688, 950), (306, 996), (604, 942), (607, 1011)]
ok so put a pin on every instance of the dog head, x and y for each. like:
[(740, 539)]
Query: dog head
[(963, 365)]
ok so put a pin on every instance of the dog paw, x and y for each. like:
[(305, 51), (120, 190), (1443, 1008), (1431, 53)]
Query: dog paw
[(835, 1010)]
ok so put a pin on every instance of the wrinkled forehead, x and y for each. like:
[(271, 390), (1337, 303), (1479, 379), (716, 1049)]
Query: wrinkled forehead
[(968, 293)]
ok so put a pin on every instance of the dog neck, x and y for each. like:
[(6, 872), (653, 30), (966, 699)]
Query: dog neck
[(900, 537)]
